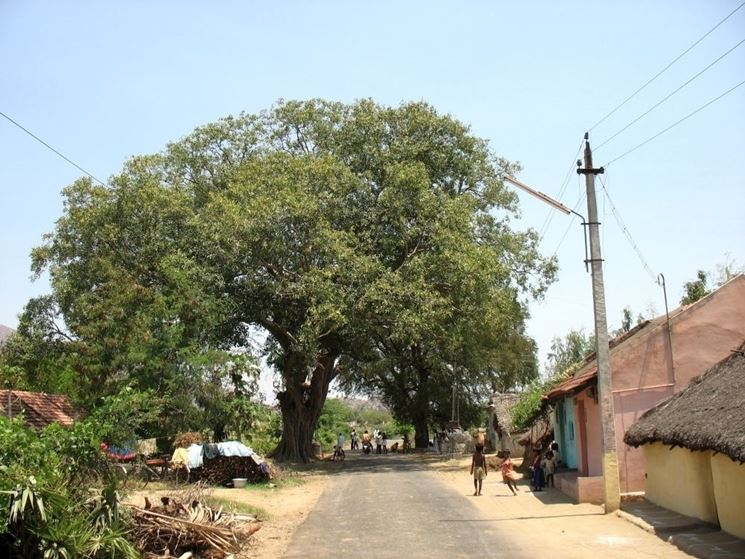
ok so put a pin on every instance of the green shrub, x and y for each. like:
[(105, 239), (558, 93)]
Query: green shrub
[(47, 512)]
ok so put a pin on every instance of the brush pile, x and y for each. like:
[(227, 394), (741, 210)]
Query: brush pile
[(178, 528), (221, 470)]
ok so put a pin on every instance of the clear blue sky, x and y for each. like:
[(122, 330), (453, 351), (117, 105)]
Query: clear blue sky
[(102, 81)]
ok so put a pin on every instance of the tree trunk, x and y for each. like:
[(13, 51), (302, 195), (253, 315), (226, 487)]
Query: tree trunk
[(421, 405), (421, 432), (301, 405)]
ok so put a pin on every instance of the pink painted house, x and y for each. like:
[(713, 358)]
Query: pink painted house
[(648, 364)]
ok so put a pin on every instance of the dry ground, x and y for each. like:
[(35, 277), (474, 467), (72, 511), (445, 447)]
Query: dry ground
[(582, 530), (281, 506)]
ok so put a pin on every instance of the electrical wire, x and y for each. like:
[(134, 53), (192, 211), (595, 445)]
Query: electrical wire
[(689, 115), (35, 137), (551, 213), (626, 231), (637, 119), (571, 222), (658, 74)]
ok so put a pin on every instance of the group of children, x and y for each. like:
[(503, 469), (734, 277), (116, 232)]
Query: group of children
[(542, 468)]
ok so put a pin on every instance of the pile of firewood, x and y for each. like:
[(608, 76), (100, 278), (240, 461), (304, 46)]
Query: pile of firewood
[(178, 529), (221, 470)]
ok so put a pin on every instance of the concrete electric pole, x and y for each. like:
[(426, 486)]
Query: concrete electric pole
[(611, 486)]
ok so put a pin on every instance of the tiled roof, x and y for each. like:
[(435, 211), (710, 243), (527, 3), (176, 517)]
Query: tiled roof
[(39, 409), (589, 369), (573, 384)]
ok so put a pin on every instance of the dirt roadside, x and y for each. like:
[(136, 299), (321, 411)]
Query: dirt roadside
[(549, 523), (286, 506)]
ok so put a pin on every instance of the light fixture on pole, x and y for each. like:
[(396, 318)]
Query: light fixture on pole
[(611, 486)]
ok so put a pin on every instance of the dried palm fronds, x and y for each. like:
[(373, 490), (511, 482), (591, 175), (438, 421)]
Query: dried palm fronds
[(179, 527)]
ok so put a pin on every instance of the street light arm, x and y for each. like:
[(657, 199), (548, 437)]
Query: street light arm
[(541, 196)]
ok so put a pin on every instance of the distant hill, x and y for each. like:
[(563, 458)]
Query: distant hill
[(5, 333), (359, 404)]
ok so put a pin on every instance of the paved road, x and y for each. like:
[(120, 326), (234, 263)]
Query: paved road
[(389, 507)]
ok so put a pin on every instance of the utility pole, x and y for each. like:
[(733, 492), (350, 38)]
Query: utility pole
[(611, 486)]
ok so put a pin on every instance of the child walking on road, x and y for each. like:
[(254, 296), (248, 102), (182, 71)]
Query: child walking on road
[(508, 474), (478, 469)]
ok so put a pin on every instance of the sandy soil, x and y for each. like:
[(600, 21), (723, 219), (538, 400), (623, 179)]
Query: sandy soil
[(549, 523), (286, 505), (287, 508)]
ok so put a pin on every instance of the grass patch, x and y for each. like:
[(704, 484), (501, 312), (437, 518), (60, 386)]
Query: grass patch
[(236, 507), (278, 482)]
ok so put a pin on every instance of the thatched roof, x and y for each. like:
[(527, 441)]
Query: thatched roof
[(708, 415), (501, 405)]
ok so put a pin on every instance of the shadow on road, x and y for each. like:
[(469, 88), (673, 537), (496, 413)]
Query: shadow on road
[(357, 462)]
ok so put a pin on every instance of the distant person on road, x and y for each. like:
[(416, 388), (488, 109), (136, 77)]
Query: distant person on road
[(366, 443), (557, 454), (478, 469), (549, 467), (353, 440), (384, 438), (407, 443), (538, 479), (508, 474), (339, 448)]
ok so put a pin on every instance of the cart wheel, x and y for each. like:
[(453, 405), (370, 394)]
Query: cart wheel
[(119, 472), (181, 475), (138, 477)]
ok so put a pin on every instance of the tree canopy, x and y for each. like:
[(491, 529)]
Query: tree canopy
[(369, 240)]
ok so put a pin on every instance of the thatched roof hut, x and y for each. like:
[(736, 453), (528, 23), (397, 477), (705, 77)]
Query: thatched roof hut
[(708, 415), (500, 406)]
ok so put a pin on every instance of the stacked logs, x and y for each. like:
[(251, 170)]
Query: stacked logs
[(221, 470), (176, 528)]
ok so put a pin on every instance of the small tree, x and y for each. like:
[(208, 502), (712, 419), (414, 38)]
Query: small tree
[(696, 289)]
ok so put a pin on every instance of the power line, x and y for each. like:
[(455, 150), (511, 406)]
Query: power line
[(562, 189), (689, 115), (35, 137), (626, 231), (566, 232), (637, 119), (658, 74)]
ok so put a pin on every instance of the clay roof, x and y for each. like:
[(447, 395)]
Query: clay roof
[(707, 415), (588, 370), (587, 373), (39, 409)]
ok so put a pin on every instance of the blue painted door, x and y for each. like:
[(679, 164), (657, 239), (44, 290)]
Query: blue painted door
[(568, 433)]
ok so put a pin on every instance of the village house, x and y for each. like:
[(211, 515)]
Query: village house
[(499, 429), (694, 447), (38, 408), (650, 363)]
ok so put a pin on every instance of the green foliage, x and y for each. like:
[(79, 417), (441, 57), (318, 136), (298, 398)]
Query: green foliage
[(728, 270), (531, 404), (375, 235), (565, 352), (566, 355), (48, 514), (261, 425), (695, 290), (336, 418), (126, 416)]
